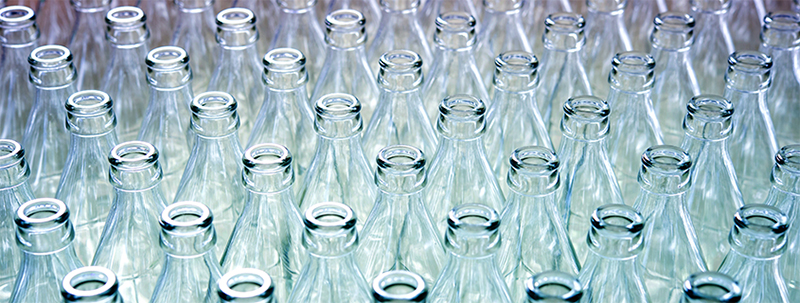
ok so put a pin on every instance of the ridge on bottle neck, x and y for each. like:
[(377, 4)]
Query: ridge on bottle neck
[(126, 27), (187, 229), (502, 6), (194, 6), (267, 168), (716, 7), (616, 232), (14, 170), (461, 117), (455, 30), (134, 166), (673, 31), (585, 118), (613, 7), (399, 5), (749, 71), (786, 172), (472, 231), (516, 71), (400, 70), (533, 171), (90, 6), (711, 287), (51, 66), (632, 72), (564, 32), (345, 28), (338, 116), (781, 30), (90, 113), (236, 27), (330, 230), (296, 4), (168, 67), (708, 117), (18, 26), (214, 114), (759, 232), (245, 285), (400, 170), (553, 286), (665, 170), (399, 286), (284, 68), (43, 226), (90, 284)]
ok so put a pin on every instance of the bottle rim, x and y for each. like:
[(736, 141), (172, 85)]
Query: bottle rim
[(565, 22), (50, 56), (788, 158), (267, 158), (329, 217), (587, 108), (11, 153), (133, 154), (418, 290), (617, 220), (666, 159), (107, 280), (554, 285), (249, 276), (400, 61), (213, 104), (750, 61), (235, 18), (337, 106), (16, 15), (474, 218), (88, 103), (516, 62), (531, 159), (125, 16), (761, 221), (167, 58), (284, 60), (27, 213), (184, 215), (462, 106), (712, 286), (674, 22), (401, 158), (710, 107)]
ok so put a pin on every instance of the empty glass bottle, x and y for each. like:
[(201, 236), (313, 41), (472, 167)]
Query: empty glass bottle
[(553, 287), (331, 273), (611, 272), (268, 16), (370, 9), (14, 190), (159, 14), (346, 69), (46, 138), (785, 194), (194, 32), (454, 70), (534, 13), (44, 234), (399, 233), (246, 285), (129, 244), (562, 75), (165, 123), (639, 16), (606, 36), (212, 173), (531, 213), (88, 43), (400, 117), (18, 36), (91, 284), (634, 126), (268, 233), (339, 171), (780, 39), (399, 29), (675, 81), (757, 239), (714, 42), (501, 31), (432, 9), (752, 143), (744, 20), (299, 29), (399, 286), (238, 71), (56, 20), (191, 270), (471, 275), (711, 287)]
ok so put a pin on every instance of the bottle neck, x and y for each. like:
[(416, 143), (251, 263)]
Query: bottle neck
[(14, 169), (708, 118), (51, 67), (606, 6), (284, 69), (673, 32), (18, 27), (564, 32), (345, 29), (455, 31), (126, 28), (585, 119), (330, 232), (461, 118), (43, 227), (187, 231), (786, 172), (236, 28), (665, 171), (533, 172), (90, 114), (516, 72), (748, 72), (616, 232), (472, 233), (400, 71), (759, 232), (267, 169), (337, 116), (632, 72), (400, 170), (399, 6), (134, 166)]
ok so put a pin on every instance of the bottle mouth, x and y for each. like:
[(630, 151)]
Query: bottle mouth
[(125, 17), (337, 106), (712, 286), (455, 30), (167, 58), (186, 217), (750, 62), (554, 286), (213, 105), (788, 158), (90, 282), (133, 155), (246, 283), (606, 6), (565, 22), (399, 286), (587, 109), (476, 219), (761, 221), (267, 158), (236, 18), (617, 221), (88, 103), (784, 21), (674, 22), (42, 213), (401, 159), (345, 28), (710, 108), (16, 16), (50, 57), (666, 159), (296, 4), (502, 6), (400, 61), (534, 161), (11, 153), (329, 218), (284, 60), (462, 107), (636, 63)]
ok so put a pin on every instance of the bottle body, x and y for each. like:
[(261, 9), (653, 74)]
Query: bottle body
[(20, 35), (88, 43), (194, 32), (14, 191)]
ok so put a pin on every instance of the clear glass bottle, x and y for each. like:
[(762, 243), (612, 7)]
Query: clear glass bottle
[(91, 284), (752, 143), (471, 274), (14, 191), (400, 117), (399, 286), (460, 171), (671, 251), (46, 138), (268, 16), (268, 234), (634, 126), (513, 119), (44, 234), (238, 71), (370, 9), (191, 269), (712, 33), (611, 272), (785, 194), (299, 28), (194, 32), (535, 12), (586, 177), (88, 43), (125, 78), (129, 244), (454, 70), (780, 39), (675, 82), (606, 36), (84, 187), (331, 273), (399, 29), (711, 287), (714, 195), (19, 35), (502, 30), (562, 75), (757, 239), (346, 69), (744, 20), (246, 285), (159, 14), (55, 20), (639, 16), (531, 215), (213, 172), (165, 123), (553, 287), (432, 9), (399, 233)]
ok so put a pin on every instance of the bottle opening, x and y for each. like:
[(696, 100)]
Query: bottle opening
[(89, 103), (236, 17), (516, 62), (337, 105), (401, 157), (89, 282), (606, 6), (788, 158), (750, 61), (473, 217), (784, 21), (214, 105), (534, 159), (194, 4), (617, 219), (329, 217), (345, 19), (90, 5), (167, 57), (125, 15), (50, 54), (42, 212), (296, 4), (185, 214), (666, 159), (245, 284), (399, 285), (400, 61), (13, 15), (554, 285), (284, 59), (133, 154), (633, 62), (565, 22), (267, 157), (674, 22), (11, 153), (464, 106), (455, 22), (761, 221), (710, 107), (587, 108), (399, 5), (712, 286)]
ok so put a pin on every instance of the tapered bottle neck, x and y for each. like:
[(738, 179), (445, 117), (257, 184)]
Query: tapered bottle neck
[(665, 171), (461, 119), (51, 67), (708, 118), (345, 30), (781, 31), (214, 117), (400, 170), (168, 68), (400, 71), (267, 169), (126, 28), (564, 32), (749, 72), (90, 114), (134, 167), (632, 73), (14, 170), (585, 120), (472, 233), (330, 232), (673, 32), (187, 231), (338, 118), (455, 31), (533, 172), (759, 232), (285, 69), (43, 227), (18, 27), (236, 29), (616, 232), (516, 72)]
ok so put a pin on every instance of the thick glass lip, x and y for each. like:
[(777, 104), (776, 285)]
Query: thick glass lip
[(637, 63), (617, 221), (666, 159), (213, 104), (133, 154), (516, 62), (57, 209), (166, 58), (711, 6), (125, 16), (761, 221), (267, 158), (455, 29), (235, 18), (587, 108), (201, 212), (783, 21), (535, 160), (344, 218), (245, 276), (401, 158), (788, 158), (712, 286), (386, 280), (476, 218), (674, 22), (404, 5), (538, 287), (89, 103), (462, 106), (50, 56), (400, 61), (750, 61), (11, 153), (284, 60), (16, 15), (345, 20), (565, 22), (337, 106), (711, 108), (86, 274)]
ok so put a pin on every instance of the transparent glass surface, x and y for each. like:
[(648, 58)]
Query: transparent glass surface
[(501, 31), (88, 43), (712, 32), (91, 284), (785, 194), (707, 287), (194, 32), (399, 29), (246, 285), (780, 39), (744, 20), (399, 286), (371, 9), (19, 35), (639, 16), (535, 12), (14, 191), (56, 19), (432, 9), (300, 29), (553, 286), (606, 35), (159, 14)]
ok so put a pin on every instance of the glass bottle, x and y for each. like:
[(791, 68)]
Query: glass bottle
[(129, 244), (432, 9), (711, 287), (752, 143), (238, 71), (159, 14), (471, 274), (46, 138), (671, 251), (268, 16), (91, 284), (675, 82), (513, 119), (501, 31), (125, 78), (454, 70), (331, 273), (639, 16), (83, 187), (757, 240), (606, 36), (399, 29), (460, 171), (586, 177), (246, 285), (165, 123), (399, 286), (55, 19), (553, 287), (346, 69), (562, 75), (299, 28), (14, 190), (212, 174), (610, 272), (399, 233), (339, 171), (785, 194), (400, 117), (19, 35), (713, 195), (535, 12), (712, 33), (88, 43), (370, 9), (194, 32), (191, 269), (744, 20), (44, 234), (780, 39), (531, 215), (634, 126), (268, 233)]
